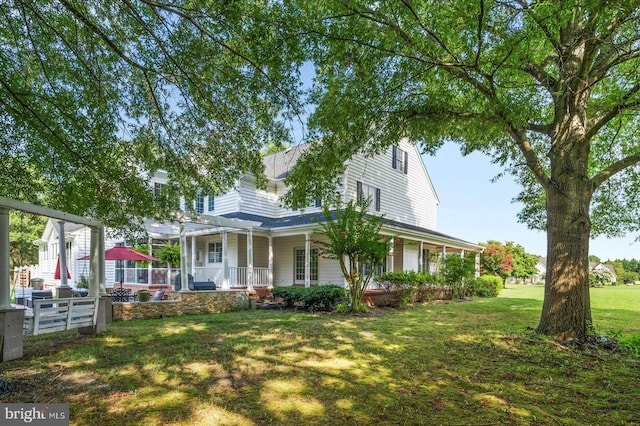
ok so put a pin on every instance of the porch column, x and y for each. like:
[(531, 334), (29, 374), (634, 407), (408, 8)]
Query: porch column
[(149, 264), (184, 275), (5, 278), (270, 272), (307, 260), (62, 253), (392, 254), (250, 259), (477, 265), (420, 259), (193, 256), (225, 262)]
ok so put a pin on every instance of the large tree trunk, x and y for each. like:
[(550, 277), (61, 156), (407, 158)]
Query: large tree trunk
[(566, 312)]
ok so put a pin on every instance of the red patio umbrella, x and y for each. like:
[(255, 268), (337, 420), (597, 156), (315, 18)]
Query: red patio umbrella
[(56, 274), (120, 252)]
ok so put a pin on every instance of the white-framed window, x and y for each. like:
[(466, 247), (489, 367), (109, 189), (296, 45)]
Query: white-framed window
[(211, 202), (400, 159), (366, 269), (215, 252), (299, 269), (367, 191), (198, 204), (157, 188)]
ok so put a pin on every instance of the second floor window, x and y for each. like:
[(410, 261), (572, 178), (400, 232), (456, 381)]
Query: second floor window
[(211, 202), (400, 159), (199, 204), (364, 191)]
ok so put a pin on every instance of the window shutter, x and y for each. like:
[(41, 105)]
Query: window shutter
[(358, 190), (406, 161), (394, 157), (377, 199)]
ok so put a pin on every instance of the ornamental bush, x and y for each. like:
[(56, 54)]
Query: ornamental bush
[(289, 295), (486, 286), (324, 297), (407, 286)]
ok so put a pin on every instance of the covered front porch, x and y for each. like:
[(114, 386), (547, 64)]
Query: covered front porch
[(228, 252)]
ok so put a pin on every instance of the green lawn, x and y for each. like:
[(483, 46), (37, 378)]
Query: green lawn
[(465, 363)]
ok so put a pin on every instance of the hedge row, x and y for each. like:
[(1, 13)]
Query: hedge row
[(410, 286)]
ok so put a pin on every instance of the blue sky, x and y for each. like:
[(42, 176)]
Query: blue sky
[(475, 209)]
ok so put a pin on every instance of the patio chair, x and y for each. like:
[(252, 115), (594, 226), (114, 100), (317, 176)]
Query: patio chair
[(120, 295)]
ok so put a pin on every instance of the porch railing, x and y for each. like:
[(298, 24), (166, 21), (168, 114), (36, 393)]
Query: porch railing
[(237, 276)]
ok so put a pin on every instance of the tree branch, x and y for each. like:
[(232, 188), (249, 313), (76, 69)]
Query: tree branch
[(614, 168), (599, 122), (103, 36)]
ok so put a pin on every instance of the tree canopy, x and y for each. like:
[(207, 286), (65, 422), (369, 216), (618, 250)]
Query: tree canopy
[(97, 96), (550, 90)]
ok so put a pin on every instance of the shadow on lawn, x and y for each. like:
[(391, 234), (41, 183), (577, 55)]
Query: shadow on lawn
[(431, 364)]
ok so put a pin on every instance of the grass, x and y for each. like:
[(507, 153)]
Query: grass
[(448, 363)]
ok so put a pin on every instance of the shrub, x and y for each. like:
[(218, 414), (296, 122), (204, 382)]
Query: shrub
[(289, 295), (456, 271), (407, 286), (324, 297), (486, 286)]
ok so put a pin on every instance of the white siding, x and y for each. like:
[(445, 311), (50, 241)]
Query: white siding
[(283, 247), (223, 204), (407, 198), (266, 203), (256, 201)]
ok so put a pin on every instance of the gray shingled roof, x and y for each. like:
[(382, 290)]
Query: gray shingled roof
[(318, 217), (277, 166)]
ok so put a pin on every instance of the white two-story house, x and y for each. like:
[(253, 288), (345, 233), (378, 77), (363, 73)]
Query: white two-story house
[(246, 238)]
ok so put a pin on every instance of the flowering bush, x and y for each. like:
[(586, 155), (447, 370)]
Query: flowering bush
[(354, 239)]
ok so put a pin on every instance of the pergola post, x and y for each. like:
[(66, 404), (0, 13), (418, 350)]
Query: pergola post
[(11, 340), (5, 277), (62, 256), (250, 259)]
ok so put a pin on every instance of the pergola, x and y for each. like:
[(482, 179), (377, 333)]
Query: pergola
[(11, 319)]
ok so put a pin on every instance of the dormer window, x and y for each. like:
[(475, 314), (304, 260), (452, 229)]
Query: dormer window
[(400, 159)]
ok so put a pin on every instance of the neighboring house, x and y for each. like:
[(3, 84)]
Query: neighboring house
[(594, 266), (541, 273), (245, 238)]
